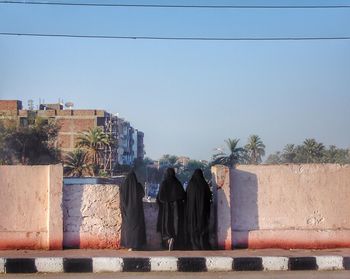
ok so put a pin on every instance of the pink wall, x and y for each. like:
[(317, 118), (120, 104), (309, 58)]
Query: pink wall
[(287, 206), (30, 203), (283, 206)]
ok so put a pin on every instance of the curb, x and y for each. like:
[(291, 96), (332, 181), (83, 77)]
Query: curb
[(171, 264)]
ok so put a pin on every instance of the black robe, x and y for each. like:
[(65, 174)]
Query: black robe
[(198, 212), (171, 201), (133, 231)]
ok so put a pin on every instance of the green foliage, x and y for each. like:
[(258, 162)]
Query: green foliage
[(336, 155), (103, 173), (185, 172), (274, 159), (147, 171), (6, 154), (237, 155), (94, 141), (310, 151), (255, 149), (289, 154), (167, 161), (77, 164), (32, 144)]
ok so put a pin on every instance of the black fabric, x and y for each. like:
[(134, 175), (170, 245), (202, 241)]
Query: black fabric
[(198, 212), (133, 231), (171, 188), (171, 215)]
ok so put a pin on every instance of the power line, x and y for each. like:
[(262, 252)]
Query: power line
[(178, 6), (175, 38)]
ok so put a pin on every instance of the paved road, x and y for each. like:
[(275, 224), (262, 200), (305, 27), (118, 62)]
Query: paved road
[(209, 275)]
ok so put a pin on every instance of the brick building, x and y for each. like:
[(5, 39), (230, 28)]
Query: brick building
[(74, 121)]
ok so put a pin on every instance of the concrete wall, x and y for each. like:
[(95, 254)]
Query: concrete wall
[(283, 206), (30, 206), (92, 218), (151, 215)]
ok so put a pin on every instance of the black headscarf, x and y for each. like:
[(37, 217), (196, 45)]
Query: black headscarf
[(198, 211), (133, 233), (171, 188)]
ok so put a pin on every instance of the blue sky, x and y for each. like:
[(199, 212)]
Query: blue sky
[(188, 96)]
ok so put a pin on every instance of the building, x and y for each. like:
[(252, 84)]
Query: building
[(74, 121), (130, 143), (140, 145)]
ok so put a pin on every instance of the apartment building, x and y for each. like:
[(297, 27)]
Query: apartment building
[(74, 121)]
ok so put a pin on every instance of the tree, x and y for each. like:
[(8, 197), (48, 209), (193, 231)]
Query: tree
[(255, 149), (274, 159), (94, 141), (185, 173), (336, 155), (31, 144), (313, 150), (6, 154), (289, 154), (77, 163), (168, 161), (236, 155), (310, 151)]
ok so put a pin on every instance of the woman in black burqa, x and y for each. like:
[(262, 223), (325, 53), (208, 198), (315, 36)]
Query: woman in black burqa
[(171, 201), (198, 212), (133, 231)]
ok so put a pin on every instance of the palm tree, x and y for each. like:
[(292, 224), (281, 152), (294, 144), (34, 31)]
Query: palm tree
[(94, 141), (313, 150), (237, 154), (255, 149), (289, 153), (77, 163)]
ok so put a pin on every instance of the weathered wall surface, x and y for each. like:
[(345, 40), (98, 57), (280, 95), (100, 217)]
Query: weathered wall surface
[(92, 217), (151, 215), (221, 207), (30, 206), (286, 206)]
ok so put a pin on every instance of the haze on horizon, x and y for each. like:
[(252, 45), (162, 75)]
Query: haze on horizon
[(188, 96)]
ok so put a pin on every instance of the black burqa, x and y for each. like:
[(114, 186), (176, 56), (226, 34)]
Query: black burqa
[(171, 201), (133, 231), (198, 212)]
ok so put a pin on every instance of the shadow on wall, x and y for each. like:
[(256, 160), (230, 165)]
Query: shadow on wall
[(72, 215), (222, 224), (213, 238), (244, 206), (154, 239), (220, 227)]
